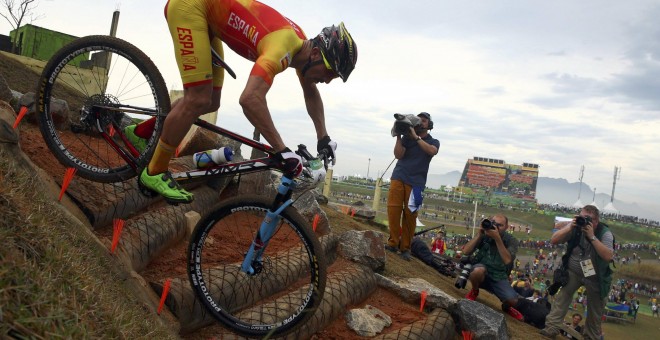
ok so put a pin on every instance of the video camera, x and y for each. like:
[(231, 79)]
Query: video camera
[(403, 123)]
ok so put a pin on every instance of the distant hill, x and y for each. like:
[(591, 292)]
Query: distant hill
[(557, 190)]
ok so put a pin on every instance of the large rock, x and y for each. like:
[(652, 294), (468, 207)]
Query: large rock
[(367, 321), (7, 133), (366, 247), (481, 320), (59, 109), (410, 290), (5, 92)]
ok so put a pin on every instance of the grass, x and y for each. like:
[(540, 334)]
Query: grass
[(54, 281), (647, 272)]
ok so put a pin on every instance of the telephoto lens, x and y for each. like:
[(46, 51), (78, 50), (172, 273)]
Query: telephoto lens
[(462, 279)]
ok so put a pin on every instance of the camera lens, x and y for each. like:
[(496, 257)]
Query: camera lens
[(462, 279), (582, 221)]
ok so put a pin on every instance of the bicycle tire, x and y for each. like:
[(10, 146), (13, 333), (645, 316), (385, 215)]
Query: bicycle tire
[(77, 74), (277, 300)]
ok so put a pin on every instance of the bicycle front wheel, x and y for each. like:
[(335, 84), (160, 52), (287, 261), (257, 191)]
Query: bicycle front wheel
[(289, 280), (107, 84)]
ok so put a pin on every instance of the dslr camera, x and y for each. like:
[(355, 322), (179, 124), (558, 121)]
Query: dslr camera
[(581, 221), (466, 268), (487, 224)]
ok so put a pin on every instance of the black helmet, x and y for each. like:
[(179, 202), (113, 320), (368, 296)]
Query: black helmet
[(338, 49)]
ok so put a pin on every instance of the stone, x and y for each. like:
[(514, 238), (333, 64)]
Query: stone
[(5, 92), (410, 291), (59, 109), (368, 321), (483, 321), (7, 117), (365, 247)]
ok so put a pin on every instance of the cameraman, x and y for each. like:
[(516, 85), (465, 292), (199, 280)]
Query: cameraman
[(414, 151), (591, 250), (496, 250)]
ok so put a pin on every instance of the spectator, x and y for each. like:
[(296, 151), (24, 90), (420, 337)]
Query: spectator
[(414, 152), (591, 251), (438, 245), (575, 324), (495, 251)]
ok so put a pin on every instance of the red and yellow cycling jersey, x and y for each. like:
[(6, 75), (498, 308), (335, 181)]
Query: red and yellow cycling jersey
[(251, 29)]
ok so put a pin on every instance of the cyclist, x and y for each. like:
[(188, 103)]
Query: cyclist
[(260, 34)]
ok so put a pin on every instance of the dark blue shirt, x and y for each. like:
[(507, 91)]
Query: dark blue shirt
[(413, 167)]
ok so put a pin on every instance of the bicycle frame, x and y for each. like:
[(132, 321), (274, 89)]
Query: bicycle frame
[(226, 169), (231, 168)]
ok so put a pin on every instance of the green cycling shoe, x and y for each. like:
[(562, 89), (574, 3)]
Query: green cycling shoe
[(140, 144), (166, 186)]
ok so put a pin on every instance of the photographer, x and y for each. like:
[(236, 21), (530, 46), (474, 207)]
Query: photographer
[(414, 149), (495, 251), (590, 250)]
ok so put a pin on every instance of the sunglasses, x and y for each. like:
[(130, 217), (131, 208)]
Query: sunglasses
[(327, 65)]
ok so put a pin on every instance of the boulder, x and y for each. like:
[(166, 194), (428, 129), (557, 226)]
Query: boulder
[(368, 321), (365, 247)]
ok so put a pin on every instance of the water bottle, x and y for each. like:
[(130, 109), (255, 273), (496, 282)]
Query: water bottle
[(209, 158)]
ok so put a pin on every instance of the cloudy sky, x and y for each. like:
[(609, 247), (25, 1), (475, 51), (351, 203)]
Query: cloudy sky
[(561, 83)]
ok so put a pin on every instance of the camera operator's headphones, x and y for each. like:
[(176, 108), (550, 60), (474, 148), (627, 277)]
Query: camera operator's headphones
[(427, 116)]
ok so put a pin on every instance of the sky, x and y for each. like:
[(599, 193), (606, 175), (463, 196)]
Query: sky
[(557, 83)]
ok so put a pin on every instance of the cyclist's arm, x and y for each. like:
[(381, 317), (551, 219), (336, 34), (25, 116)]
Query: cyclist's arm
[(255, 108), (314, 105)]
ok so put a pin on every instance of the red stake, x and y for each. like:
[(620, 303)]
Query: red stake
[(21, 114), (117, 227), (68, 175), (316, 222), (421, 305), (166, 290)]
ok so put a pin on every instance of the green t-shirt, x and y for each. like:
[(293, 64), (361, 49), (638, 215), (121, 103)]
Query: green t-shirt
[(488, 255)]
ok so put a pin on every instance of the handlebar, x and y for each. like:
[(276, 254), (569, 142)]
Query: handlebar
[(314, 167)]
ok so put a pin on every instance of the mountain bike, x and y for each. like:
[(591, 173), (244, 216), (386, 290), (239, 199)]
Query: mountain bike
[(254, 263)]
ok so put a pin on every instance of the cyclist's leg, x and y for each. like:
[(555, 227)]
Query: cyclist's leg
[(192, 45)]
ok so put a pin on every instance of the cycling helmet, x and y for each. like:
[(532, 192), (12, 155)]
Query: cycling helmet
[(338, 49)]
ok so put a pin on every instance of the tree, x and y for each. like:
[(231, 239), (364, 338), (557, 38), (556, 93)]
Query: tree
[(16, 13)]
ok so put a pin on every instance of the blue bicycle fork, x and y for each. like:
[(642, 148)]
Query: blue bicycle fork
[(267, 227)]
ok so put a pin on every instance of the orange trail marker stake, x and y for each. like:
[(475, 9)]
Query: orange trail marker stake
[(353, 212), (421, 305), (21, 114), (117, 226), (68, 175), (166, 290), (315, 223)]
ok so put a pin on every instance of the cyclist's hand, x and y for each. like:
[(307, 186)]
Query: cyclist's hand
[(292, 162), (327, 146)]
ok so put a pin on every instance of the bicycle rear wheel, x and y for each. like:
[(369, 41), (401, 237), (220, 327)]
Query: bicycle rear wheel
[(102, 79), (289, 282)]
